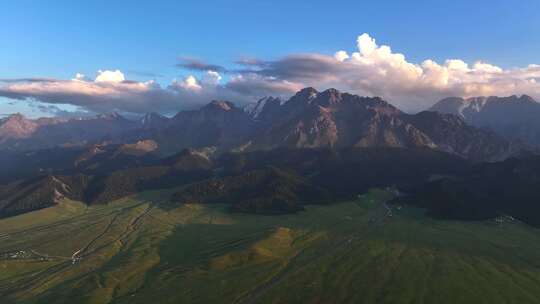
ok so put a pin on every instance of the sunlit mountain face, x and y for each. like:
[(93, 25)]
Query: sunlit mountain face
[(250, 152)]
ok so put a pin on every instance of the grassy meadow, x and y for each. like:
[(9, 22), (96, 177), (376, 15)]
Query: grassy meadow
[(143, 249)]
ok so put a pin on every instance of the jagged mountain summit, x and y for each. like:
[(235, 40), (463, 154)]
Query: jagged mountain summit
[(514, 117), (312, 119), (327, 119), (309, 119)]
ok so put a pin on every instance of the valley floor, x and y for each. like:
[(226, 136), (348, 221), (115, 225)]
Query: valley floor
[(142, 249)]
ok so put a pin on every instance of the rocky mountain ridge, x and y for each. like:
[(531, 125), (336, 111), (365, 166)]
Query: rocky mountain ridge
[(513, 117), (309, 119)]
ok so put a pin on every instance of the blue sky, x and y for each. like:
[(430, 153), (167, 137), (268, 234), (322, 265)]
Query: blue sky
[(144, 39)]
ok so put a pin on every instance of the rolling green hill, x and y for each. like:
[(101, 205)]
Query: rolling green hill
[(143, 249)]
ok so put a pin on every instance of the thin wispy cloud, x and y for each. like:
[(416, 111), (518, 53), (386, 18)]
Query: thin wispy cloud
[(15, 80), (195, 64)]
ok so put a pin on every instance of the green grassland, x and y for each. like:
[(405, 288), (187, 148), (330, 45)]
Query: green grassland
[(143, 249)]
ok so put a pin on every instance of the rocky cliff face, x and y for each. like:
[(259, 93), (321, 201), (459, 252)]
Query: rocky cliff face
[(312, 119), (452, 135), (514, 117)]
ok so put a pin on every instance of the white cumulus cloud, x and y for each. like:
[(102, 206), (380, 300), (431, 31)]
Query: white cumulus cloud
[(110, 76), (367, 69), (341, 56), (189, 83), (374, 69)]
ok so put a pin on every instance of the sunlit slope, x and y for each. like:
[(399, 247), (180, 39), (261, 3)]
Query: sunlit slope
[(143, 249)]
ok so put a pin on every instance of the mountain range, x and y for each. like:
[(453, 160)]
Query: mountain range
[(514, 117), (22, 134), (309, 119), (273, 181), (272, 157)]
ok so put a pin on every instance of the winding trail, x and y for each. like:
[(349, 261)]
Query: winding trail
[(77, 255), (83, 252)]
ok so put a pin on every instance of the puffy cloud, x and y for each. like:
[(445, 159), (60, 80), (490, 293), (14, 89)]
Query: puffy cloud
[(370, 69), (367, 45), (487, 68), (109, 91), (377, 70), (341, 56), (112, 92), (189, 83), (80, 77), (109, 76), (457, 65), (212, 78)]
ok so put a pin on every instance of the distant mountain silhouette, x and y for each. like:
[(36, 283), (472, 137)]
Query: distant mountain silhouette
[(20, 133), (512, 117)]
